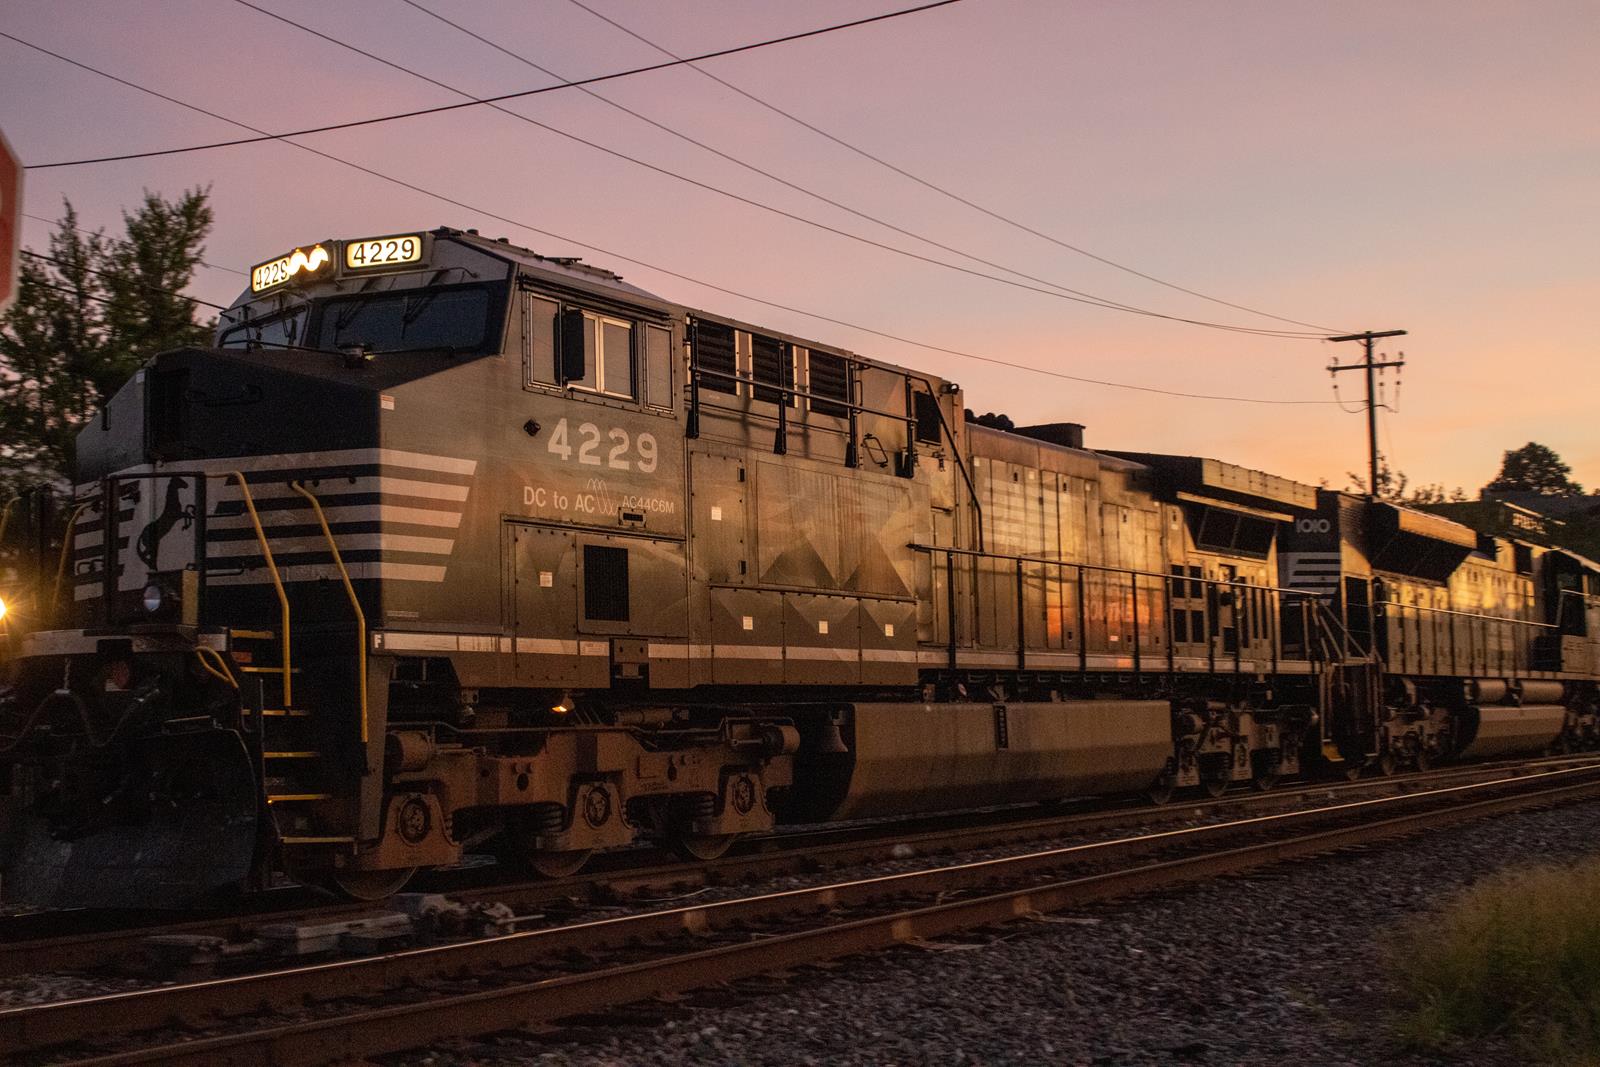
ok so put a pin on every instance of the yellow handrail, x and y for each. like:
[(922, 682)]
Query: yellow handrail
[(221, 671), (5, 516), (349, 591), (67, 539), (277, 584)]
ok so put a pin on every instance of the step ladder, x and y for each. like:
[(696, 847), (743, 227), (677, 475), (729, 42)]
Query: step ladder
[(309, 798)]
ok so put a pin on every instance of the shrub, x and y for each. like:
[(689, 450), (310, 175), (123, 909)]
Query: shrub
[(1518, 954)]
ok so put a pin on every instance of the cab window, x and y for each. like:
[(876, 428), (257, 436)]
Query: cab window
[(285, 329), (605, 347), (411, 320)]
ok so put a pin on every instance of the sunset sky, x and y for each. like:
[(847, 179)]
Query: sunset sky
[(1431, 166)]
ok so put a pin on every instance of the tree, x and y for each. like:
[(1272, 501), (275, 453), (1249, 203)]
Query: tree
[(1534, 468), (89, 312), (1393, 487)]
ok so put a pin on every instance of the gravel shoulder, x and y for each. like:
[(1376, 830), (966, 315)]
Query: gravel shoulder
[(1282, 966)]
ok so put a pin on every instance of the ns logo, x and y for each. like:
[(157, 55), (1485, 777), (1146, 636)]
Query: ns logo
[(1312, 526)]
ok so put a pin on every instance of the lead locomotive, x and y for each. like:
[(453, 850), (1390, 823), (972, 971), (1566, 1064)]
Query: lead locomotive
[(449, 547)]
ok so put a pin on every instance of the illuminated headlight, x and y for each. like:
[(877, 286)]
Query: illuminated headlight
[(2, 608), (154, 597)]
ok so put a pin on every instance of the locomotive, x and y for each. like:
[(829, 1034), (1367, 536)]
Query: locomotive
[(447, 548)]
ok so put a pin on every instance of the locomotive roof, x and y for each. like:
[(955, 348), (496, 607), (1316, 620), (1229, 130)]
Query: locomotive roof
[(571, 267), (1198, 473)]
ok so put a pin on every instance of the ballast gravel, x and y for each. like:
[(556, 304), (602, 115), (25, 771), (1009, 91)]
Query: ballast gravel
[(1281, 966)]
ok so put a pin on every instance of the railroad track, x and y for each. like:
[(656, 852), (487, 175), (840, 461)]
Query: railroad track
[(86, 940), (355, 1008)]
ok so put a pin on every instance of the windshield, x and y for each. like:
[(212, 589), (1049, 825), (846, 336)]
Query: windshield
[(456, 319), (273, 331)]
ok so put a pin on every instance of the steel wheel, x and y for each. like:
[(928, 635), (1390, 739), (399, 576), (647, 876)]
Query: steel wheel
[(1160, 790), (1268, 770), (702, 847), (1215, 786), (1387, 764), (367, 886), (561, 864)]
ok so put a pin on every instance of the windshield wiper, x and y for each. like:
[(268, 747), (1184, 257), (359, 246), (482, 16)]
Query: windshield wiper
[(413, 313)]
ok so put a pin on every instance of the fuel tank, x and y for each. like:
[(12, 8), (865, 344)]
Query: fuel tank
[(905, 758), (1502, 730)]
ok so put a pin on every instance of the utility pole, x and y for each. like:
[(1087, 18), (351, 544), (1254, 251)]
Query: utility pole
[(1372, 401)]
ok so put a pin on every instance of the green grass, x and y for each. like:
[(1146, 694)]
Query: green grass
[(1518, 954)]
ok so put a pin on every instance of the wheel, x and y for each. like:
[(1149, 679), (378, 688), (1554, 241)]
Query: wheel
[(1423, 761), (1266, 767), (702, 847), (1160, 790), (1352, 770), (1214, 787), (1387, 764), (368, 886), (563, 864)]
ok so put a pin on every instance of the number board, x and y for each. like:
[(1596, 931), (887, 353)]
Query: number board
[(373, 252), (277, 271)]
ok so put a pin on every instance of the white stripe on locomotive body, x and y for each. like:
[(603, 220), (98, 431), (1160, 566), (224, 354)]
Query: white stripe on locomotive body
[(444, 482), (236, 547), (1317, 573), (290, 462)]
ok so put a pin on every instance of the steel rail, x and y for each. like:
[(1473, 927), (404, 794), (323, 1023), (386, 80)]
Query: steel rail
[(205, 1003), (779, 853), (396, 1028)]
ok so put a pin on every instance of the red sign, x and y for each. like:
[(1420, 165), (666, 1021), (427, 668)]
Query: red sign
[(10, 221)]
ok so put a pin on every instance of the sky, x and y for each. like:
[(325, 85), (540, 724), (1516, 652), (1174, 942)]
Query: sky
[(1429, 166)]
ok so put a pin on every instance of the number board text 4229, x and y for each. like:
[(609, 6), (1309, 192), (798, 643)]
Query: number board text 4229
[(383, 251)]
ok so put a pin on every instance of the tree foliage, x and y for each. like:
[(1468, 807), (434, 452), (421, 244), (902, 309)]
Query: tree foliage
[(1534, 468), (87, 315), (1395, 487)]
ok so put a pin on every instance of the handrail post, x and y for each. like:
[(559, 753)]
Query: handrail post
[(277, 585), (852, 454), (1134, 585), (780, 440), (691, 427), (1166, 611), (349, 591), (910, 462), (68, 536), (950, 601), (1022, 625), (1083, 627), (5, 516)]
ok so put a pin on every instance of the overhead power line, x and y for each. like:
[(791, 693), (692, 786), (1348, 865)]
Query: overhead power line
[(107, 274), (495, 99), (58, 224), (690, 279), (746, 165), (1054, 290), (926, 183)]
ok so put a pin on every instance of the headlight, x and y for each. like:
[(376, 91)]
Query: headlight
[(153, 598), (2, 607)]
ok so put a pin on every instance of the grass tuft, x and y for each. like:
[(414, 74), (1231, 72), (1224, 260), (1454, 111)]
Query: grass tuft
[(1517, 954)]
